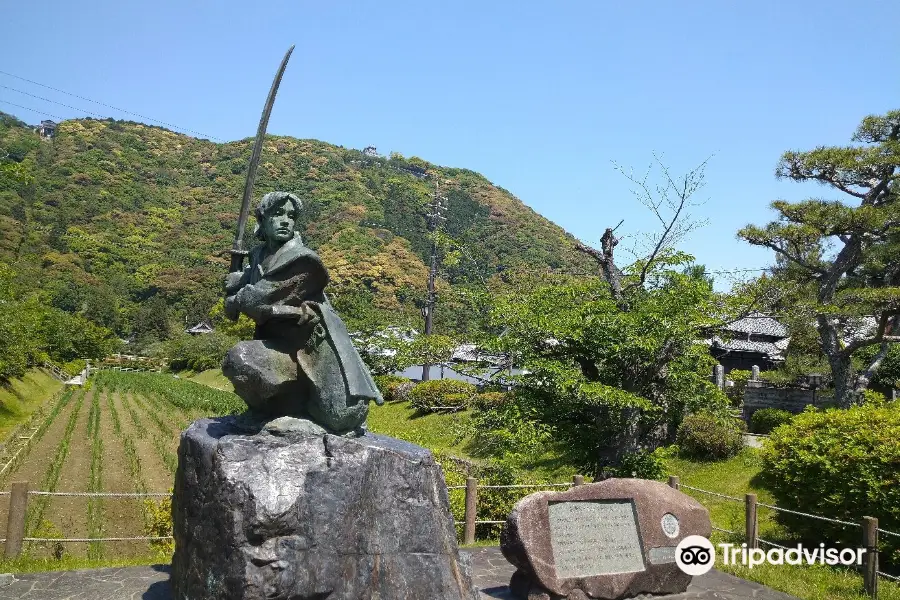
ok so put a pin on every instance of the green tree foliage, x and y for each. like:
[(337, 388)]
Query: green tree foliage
[(840, 464), (138, 212), (428, 349), (198, 352), (32, 332), (841, 254), (608, 382), (150, 322)]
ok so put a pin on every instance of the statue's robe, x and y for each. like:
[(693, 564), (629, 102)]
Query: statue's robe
[(301, 361)]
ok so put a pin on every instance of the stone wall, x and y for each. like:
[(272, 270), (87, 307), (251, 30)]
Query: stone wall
[(759, 394)]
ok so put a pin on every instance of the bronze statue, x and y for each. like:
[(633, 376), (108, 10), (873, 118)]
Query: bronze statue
[(301, 361)]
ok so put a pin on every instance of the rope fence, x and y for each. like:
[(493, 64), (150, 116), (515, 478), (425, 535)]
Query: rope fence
[(19, 497), (869, 526), (101, 494), (716, 494), (811, 516), (89, 540), (724, 530)]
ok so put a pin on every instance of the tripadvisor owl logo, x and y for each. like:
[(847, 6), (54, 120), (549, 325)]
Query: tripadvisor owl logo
[(695, 555)]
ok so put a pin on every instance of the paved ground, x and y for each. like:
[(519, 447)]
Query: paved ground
[(490, 570), (754, 441)]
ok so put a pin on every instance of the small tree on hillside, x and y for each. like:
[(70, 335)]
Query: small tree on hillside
[(848, 254)]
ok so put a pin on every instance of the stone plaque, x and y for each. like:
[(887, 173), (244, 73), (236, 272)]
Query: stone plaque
[(590, 538), (606, 540)]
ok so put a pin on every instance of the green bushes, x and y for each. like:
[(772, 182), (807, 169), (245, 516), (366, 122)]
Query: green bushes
[(494, 504), (200, 352), (443, 393), (735, 393), (642, 465), (489, 400), (766, 419), (709, 436), (841, 464), (393, 388)]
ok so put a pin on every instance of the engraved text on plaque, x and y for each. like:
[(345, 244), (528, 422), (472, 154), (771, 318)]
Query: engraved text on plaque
[(598, 537)]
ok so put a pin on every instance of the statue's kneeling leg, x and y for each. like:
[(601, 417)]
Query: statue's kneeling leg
[(264, 377)]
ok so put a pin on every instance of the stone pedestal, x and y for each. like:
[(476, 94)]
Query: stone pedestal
[(288, 511)]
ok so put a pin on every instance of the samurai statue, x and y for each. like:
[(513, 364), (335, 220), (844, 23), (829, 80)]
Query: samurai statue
[(301, 361)]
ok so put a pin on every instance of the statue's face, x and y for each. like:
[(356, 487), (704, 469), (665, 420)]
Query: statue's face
[(279, 223)]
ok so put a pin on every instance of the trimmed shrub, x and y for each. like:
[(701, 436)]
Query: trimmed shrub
[(489, 400), (428, 395), (873, 397), (707, 436), (158, 523), (839, 463), (766, 419), (400, 392), (642, 465), (388, 384)]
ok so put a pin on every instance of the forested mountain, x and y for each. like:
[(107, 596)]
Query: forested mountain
[(126, 223)]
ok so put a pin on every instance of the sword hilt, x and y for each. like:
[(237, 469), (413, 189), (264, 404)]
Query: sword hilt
[(237, 260)]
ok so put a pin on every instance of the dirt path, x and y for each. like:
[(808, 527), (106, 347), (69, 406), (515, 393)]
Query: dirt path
[(70, 514), (122, 517), (34, 467)]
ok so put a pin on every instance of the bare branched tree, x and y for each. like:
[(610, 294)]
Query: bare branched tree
[(670, 201)]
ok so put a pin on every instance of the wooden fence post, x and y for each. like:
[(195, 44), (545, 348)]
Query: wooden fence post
[(752, 527), (870, 558), (15, 523), (674, 483), (471, 509), (578, 480)]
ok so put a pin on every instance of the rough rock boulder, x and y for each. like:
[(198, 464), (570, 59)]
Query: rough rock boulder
[(287, 511)]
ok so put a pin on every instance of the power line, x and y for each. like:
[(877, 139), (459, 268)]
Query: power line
[(171, 125), (40, 112), (54, 102)]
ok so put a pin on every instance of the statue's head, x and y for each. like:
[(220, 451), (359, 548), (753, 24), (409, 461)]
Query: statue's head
[(276, 217)]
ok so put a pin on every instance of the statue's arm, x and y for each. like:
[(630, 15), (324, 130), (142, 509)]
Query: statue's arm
[(234, 283)]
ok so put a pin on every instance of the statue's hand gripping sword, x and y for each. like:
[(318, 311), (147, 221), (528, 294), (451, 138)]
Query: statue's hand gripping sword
[(237, 248)]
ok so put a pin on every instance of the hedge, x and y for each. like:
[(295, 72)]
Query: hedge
[(429, 395), (765, 420), (838, 463), (708, 436)]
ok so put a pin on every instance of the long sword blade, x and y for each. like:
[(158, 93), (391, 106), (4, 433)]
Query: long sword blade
[(237, 249)]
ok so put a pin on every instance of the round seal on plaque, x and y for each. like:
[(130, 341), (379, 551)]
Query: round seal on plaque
[(670, 525)]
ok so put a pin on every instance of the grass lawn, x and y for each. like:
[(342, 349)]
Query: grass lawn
[(735, 477), (212, 378), (21, 397), (437, 432)]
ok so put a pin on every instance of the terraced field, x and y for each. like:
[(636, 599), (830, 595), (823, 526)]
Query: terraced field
[(116, 435)]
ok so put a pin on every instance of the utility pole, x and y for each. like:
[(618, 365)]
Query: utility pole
[(435, 218)]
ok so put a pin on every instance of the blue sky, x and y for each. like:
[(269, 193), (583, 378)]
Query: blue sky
[(538, 97)]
